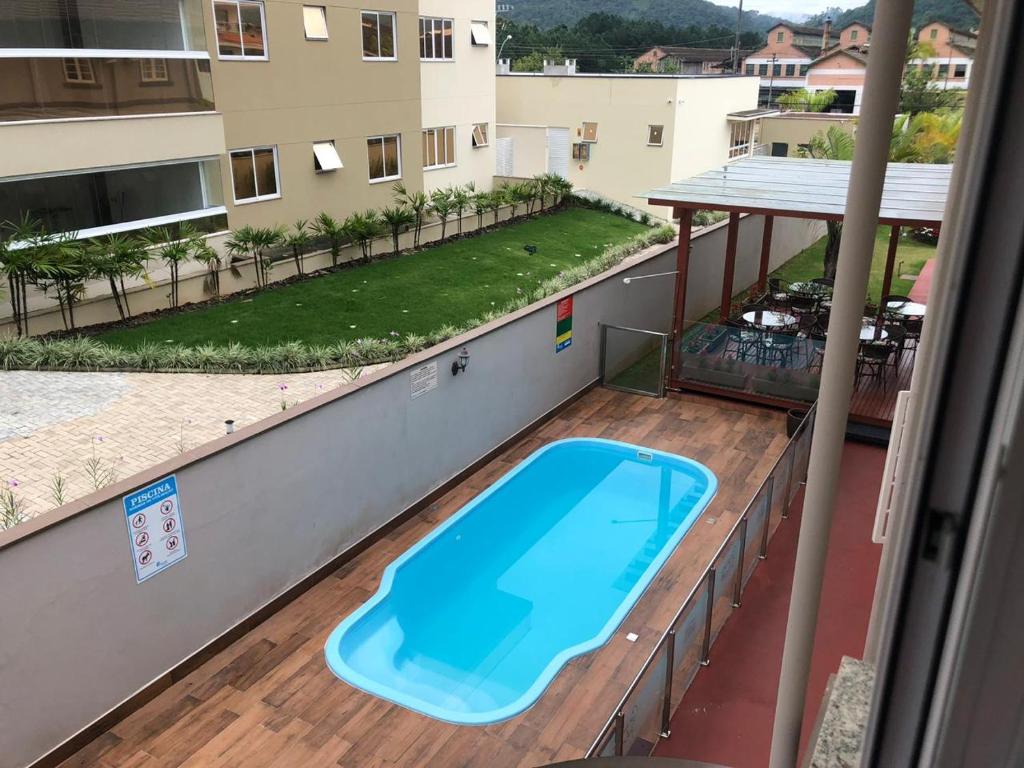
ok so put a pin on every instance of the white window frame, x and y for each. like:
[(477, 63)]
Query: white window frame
[(394, 27), (263, 25), (741, 130), (252, 153), (78, 74), (480, 30), (384, 179), (153, 71), (434, 21), (650, 128), (440, 139), (484, 131), (322, 11), (329, 167)]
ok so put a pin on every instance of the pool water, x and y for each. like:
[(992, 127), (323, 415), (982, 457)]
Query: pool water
[(473, 622)]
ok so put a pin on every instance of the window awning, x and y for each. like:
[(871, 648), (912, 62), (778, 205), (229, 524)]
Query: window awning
[(746, 115), (480, 33), (326, 156)]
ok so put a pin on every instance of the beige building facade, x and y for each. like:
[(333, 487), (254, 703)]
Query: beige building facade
[(620, 135)]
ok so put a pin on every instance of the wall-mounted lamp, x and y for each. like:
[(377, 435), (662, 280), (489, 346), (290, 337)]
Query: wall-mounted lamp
[(229, 426), (460, 362)]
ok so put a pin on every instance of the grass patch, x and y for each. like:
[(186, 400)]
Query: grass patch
[(418, 293), (643, 375), (910, 258)]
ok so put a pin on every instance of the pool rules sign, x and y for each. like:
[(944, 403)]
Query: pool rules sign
[(155, 527), (563, 324)]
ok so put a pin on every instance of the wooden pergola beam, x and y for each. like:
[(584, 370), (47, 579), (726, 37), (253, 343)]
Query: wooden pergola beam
[(890, 263), (732, 240), (682, 269), (766, 254)]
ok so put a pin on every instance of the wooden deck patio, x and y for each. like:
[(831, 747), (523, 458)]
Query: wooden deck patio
[(269, 698)]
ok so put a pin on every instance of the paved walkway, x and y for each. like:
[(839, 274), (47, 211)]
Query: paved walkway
[(923, 283), (86, 430)]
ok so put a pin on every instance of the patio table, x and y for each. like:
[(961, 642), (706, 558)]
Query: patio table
[(807, 288), (906, 308), (769, 319), (868, 332)]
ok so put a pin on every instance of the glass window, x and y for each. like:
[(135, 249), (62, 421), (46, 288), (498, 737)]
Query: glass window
[(803, 69), (750, 69), (153, 70), (379, 35), (480, 135), (325, 157), (436, 39), (79, 71), (655, 135), (790, 70), (254, 174), (480, 33), (853, 34), (384, 155), (314, 21), (933, 34), (240, 29), (740, 139), (438, 147), (960, 70), (590, 132), (777, 70), (780, 37), (762, 69), (943, 71)]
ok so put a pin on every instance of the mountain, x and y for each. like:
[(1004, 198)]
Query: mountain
[(677, 13), (954, 12)]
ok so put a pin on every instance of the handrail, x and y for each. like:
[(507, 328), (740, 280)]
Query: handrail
[(634, 330), (666, 643)]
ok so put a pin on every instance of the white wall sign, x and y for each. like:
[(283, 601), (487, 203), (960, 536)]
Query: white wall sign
[(155, 527), (423, 380)]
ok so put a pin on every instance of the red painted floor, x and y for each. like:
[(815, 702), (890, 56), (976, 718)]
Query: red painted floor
[(726, 716), (923, 284)]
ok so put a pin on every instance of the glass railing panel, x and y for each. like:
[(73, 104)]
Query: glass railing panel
[(633, 360), (62, 88), (726, 573), (156, 25), (780, 505), (643, 710), (757, 522), (689, 641)]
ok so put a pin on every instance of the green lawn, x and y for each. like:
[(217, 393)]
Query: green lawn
[(416, 293), (910, 257)]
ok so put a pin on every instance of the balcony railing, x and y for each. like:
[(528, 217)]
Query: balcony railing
[(645, 711), (634, 360)]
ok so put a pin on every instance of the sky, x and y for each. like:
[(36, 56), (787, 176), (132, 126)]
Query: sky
[(797, 10)]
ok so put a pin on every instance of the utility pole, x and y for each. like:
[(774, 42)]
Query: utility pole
[(771, 80), (736, 46)]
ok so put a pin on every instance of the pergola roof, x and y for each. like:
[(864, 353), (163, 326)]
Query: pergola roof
[(914, 193)]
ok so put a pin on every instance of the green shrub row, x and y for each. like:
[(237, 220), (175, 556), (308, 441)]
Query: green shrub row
[(86, 354)]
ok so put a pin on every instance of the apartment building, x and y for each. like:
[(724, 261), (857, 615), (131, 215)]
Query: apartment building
[(123, 115), (788, 52), (615, 135), (952, 56), (685, 61)]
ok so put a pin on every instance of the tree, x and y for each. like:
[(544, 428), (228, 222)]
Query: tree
[(255, 242), (329, 228), (21, 262), (363, 228), (417, 202), (926, 137), (494, 202), (443, 205), (802, 100), (462, 197), (114, 257), (834, 144), (200, 250), (481, 203), (172, 251), (396, 218), (297, 240), (66, 269)]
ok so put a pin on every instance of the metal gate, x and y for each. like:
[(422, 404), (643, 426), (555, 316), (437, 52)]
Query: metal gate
[(634, 360)]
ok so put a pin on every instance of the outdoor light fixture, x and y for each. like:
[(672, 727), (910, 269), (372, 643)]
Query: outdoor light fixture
[(628, 280), (461, 362), (229, 426)]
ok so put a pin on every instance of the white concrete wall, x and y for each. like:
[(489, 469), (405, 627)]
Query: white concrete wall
[(701, 135), (461, 92)]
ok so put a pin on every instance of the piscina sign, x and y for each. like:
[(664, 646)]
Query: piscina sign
[(563, 324), (155, 527)]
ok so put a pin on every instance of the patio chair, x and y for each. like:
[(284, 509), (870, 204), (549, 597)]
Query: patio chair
[(803, 304), (895, 298), (896, 340), (872, 360), (743, 341), (778, 297), (780, 348), (826, 281), (815, 351), (912, 330)]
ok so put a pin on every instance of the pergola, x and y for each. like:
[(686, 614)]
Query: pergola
[(913, 195)]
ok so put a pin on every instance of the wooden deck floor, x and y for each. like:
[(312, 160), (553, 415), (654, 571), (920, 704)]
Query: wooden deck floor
[(874, 402), (269, 698)]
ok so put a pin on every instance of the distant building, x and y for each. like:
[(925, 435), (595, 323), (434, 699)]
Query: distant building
[(788, 52), (954, 49), (685, 61)]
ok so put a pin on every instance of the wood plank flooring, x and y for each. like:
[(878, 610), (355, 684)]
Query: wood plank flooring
[(269, 699)]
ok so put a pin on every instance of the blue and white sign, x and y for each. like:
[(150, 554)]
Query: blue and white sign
[(155, 527)]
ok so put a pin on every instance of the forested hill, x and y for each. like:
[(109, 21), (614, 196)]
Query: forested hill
[(954, 12), (674, 13)]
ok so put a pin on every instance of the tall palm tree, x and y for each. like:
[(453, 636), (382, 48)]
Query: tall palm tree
[(396, 218), (443, 205), (833, 144), (297, 240), (172, 251), (363, 228), (115, 257), (255, 242), (332, 230), (418, 202), (462, 198)]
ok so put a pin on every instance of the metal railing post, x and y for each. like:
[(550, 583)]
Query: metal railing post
[(767, 518), (666, 706), (620, 733), (738, 590), (604, 347), (705, 657), (789, 478)]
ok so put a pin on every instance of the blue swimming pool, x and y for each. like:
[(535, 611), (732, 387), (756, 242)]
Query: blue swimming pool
[(473, 622)]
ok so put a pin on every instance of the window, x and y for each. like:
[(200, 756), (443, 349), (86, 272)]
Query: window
[(762, 70), (153, 70), (780, 37), (254, 174), (790, 70), (79, 71), (750, 69), (436, 39), (581, 151), (379, 35), (480, 135), (590, 132), (438, 147), (480, 33), (314, 20), (943, 71), (384, 154), (240, 29), (803, 69), (655, 135), (740, 139), (325, 157), (776, 70), (960, 70), (854, 34), (933, 34)]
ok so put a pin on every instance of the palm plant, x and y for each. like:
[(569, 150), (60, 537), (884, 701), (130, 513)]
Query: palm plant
[(541, 187), (802, 100), (494, 202), (115, 257), (172, 251), (200, 250), (255, 242), (926, 137), (417, 202), (443, 205), (481, 202), (462, 197), (297, 240), (62, 261), (396, 218), (23, 260), (329, 228), (363, 228), (833, 144)]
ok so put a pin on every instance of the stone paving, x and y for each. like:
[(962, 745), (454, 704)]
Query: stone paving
[(62, 435)]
